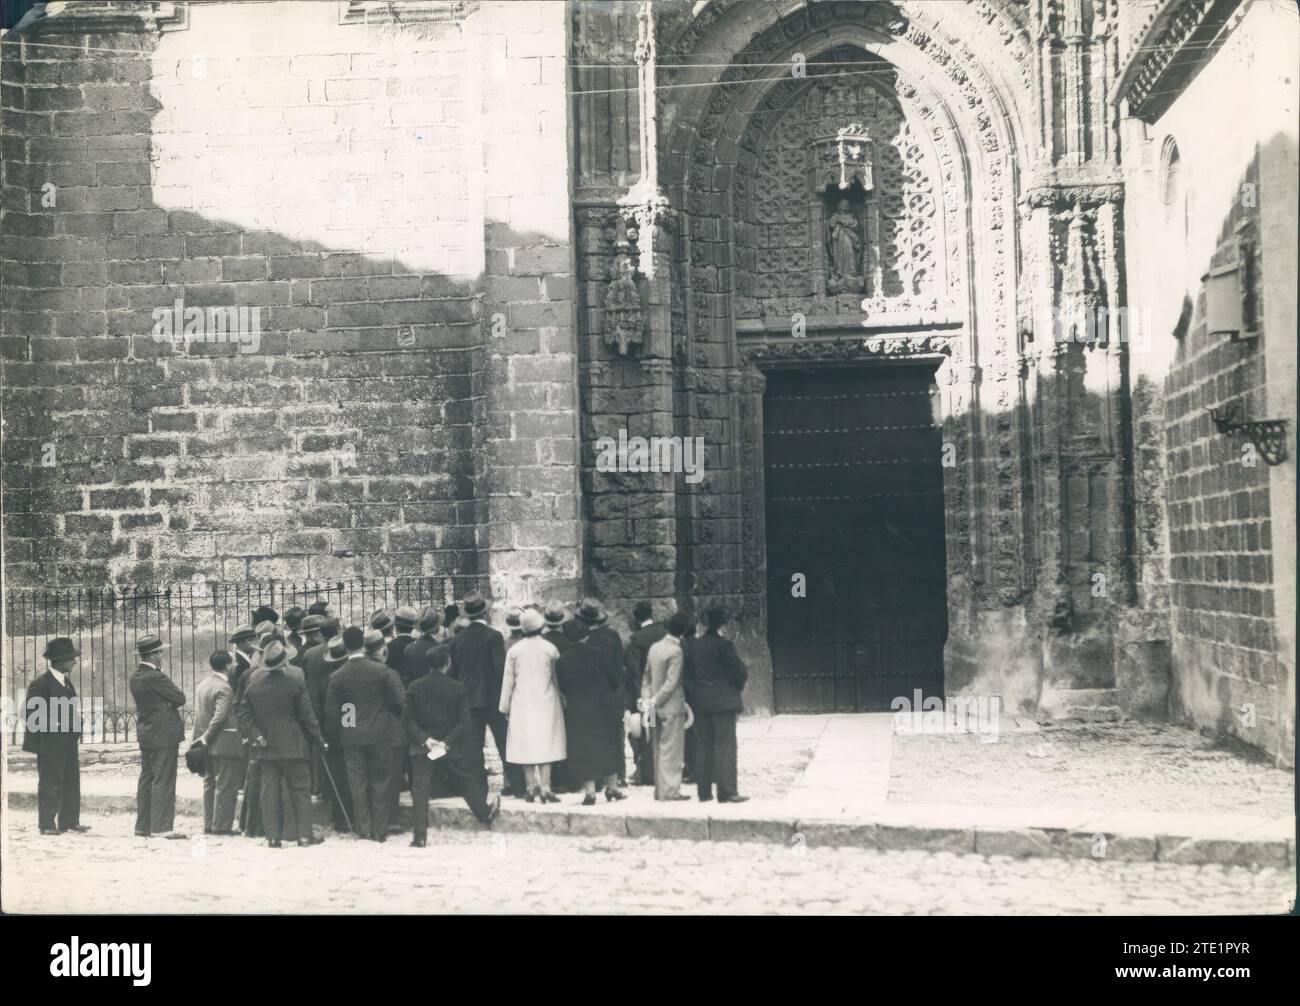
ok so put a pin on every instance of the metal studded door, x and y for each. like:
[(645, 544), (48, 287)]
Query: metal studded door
[(857, 603)]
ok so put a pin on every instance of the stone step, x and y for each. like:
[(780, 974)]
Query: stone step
[(1088, 705)]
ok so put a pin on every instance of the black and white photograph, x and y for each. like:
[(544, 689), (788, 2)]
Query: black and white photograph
[(650, 458)]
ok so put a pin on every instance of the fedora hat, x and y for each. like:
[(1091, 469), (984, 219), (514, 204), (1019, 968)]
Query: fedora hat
[(555, 614), (146, 645), (337, 652), (532, 622), (312, 623), (264, 628), (275, 655), (406, 617), (242, 633), (473, 604), (591, 612), (381, 621), (373, 639), (61, 648), (430, 619), (512, 619)]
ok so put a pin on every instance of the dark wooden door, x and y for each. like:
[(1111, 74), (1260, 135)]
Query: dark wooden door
[(854, 491)]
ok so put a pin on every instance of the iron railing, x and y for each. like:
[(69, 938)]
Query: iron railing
[(193, 619)]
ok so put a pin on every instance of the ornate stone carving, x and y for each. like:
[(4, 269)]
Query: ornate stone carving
[(624, 322), (1181, 37), (398, 12), (872, 348), (91, 16)]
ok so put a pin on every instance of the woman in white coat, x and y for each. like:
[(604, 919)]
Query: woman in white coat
[(530, 697)]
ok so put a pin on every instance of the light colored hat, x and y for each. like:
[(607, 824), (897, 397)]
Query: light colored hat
[(406, 617), (275, 655), (374, 639), (531, 622), (555, 614)]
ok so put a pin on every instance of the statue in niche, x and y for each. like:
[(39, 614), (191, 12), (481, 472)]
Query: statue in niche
[(844, 250)]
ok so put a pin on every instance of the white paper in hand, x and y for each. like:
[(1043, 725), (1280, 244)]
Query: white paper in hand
[(437, 751)]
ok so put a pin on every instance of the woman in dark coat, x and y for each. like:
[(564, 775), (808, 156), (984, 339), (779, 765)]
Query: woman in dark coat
[(591, 715)]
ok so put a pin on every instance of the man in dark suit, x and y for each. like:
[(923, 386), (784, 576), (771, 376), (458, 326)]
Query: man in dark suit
[(415, 661), (159, 731), (404, 619), (217, 728), (608, 646), (364, 700), (244, 640), (645, 633), (315, 673), (277, 714), (478, 661), (294, 635), (52, 724), (436, 711), (714, 677), (334, 766)]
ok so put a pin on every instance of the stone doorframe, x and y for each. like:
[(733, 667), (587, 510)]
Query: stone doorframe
[(1038, 228)]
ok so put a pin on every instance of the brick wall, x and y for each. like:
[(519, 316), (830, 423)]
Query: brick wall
[(1216, 533), (267, 156)]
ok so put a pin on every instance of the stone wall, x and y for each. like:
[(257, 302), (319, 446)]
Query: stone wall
[(326, 165), (1217, 524)]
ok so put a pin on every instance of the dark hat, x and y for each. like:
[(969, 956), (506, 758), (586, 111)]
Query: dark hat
[(294, 616), (430, 619), (642, 610), (381, 620), (512, 619), (242, 633), (196, 758), (146, 645), (61, 648), (312, 623), (373, 639), (275, 655), (717, 616), (406, 617), (337, 652), (590, 612), (329, 628), (474, 604), (575, 630), (318, 607), (354, 638), (449, 615), (265, 613), (555, 614), (220, 660)]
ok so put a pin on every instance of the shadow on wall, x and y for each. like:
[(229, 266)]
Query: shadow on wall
[(187, 394)]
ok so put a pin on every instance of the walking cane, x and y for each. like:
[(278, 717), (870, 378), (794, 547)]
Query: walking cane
[(338, 796)]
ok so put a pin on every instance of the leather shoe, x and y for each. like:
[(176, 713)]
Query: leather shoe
[(273, 843), (732, 799), (76, 827), (49, 831), (418, 843), (679, 796)]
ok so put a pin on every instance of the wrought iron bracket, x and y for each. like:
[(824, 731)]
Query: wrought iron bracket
[(1267, 435)]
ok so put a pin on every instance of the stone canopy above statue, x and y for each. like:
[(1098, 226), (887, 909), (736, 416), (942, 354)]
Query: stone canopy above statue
[(841, 202)]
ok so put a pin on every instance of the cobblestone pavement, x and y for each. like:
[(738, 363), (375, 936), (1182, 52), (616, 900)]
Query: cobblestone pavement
[(1101, 766), (484, 872)]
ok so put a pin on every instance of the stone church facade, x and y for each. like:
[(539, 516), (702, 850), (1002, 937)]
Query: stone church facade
[(859, 248)]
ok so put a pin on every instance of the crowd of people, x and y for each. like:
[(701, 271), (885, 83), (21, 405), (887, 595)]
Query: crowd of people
[(309, 708)]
